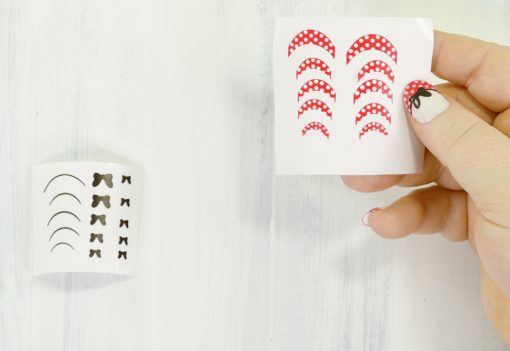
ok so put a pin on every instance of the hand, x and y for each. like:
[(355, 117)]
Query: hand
[(465, 126)]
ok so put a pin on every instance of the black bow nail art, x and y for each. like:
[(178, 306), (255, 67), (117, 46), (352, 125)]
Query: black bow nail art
[(124, 223), (123, 240), (99, 237), (96, 200), (126, 179), (415, 99), (107, 178), (93, 253), (94, 218), (122, 254), (125, 202)]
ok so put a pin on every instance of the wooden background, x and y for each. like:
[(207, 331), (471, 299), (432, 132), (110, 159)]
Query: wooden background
[(231, 257)]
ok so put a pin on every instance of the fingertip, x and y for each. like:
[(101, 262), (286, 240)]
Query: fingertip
[(399, 220), (373, 183)]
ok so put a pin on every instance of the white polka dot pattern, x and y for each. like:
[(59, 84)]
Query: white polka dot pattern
[(316, 126), (376, 66), (372, 127), (312, 37), (371, 42), (374, 86), (411, 89), (313, 63), (317, 85), (373, 109), (315, 104)]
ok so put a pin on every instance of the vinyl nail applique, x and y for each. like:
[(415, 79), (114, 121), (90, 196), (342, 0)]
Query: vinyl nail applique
[(94, 218), (98, 237), (337, 89), (423, 101), (105, 200), (85, 226), (106, 178)]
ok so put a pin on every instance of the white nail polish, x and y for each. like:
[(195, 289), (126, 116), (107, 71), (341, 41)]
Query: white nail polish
[(426, 104)]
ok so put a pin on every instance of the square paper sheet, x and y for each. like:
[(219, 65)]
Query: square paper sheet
[(338, 94)]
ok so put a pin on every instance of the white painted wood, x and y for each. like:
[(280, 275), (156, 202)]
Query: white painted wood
[(232, 257)]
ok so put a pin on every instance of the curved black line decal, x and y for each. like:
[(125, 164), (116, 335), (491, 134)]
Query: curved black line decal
[(62, 194), (61, 243), (62, 228), (62, 212), (62, 175)]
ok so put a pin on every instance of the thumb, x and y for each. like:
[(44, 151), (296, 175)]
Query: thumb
[(477, 154)]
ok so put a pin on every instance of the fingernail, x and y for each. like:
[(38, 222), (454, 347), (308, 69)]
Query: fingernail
[(365, 218), (423, 101)]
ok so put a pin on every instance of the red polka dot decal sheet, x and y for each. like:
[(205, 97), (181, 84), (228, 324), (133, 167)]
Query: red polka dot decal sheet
[(338, 87)]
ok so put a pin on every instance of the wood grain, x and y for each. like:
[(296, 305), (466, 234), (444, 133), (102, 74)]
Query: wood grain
[(231, 257)]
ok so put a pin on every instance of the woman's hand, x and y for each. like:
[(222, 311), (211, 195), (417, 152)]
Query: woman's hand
[(465, 126)]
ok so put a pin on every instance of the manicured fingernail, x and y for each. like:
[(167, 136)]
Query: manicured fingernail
[(366, 216), (423, 101)]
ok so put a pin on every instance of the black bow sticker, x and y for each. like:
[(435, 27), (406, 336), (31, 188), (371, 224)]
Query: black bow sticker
[(122, 254), (126, 179), (93, 253), (415, 99), (123, 240), (107, 178), (99, 237), (124, 202), (124, 223), (96, 200), (94, 218)]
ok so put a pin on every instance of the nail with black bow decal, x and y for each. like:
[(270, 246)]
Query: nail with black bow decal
[(94, 236), (96, 200), (98, 178), (423, 101), (93, 253), (94, 218)]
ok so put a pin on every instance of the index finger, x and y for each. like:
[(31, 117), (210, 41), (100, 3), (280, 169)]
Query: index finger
[(482, 67)]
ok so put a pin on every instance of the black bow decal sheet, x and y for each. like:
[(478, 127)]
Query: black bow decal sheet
[(85, 214)]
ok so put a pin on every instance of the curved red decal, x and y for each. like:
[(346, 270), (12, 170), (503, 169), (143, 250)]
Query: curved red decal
[(374, 86), (315, 104), (313, 37), (373, 127), (317, 85), (316, 126), (411, 89), (376, 66), (372, 42), (373, 109), (313, 63)]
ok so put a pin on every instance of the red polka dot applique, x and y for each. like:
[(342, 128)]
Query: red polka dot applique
[(376, 66), (316, 81), (369, 88), (412, 88), (372, 127), (316, 126), (316, 85), (373, 86), (313, 63), (373, 109), (317, 105), (372, 42), (311, 37)]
